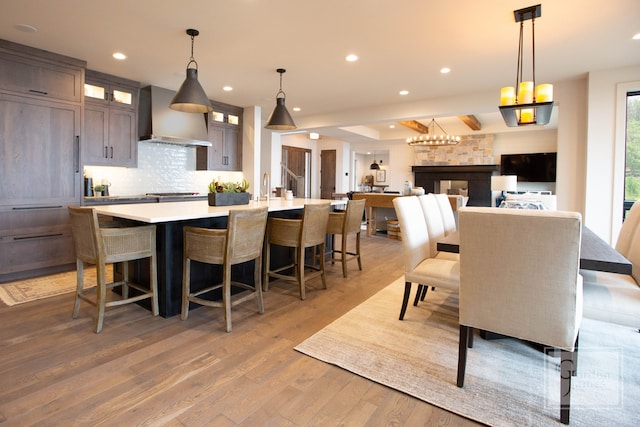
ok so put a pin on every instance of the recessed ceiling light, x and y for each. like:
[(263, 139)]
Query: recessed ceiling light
[(636, 37), (351, 58), (297, 109), (119, 55), (445, 70), (404, 92), (227, 88), (392, 126)]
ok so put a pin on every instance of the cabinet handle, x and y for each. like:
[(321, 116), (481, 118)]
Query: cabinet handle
[(24, 208), (106, 152), (76, 154), (111, 152), (42, 236), (38, 92)]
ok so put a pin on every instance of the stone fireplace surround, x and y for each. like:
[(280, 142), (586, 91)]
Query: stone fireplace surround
[(477, 176)]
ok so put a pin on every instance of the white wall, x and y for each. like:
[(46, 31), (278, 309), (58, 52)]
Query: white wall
[(603, 180)]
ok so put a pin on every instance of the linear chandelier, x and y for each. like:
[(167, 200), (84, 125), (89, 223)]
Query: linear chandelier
[(527, 107), (431, 138)]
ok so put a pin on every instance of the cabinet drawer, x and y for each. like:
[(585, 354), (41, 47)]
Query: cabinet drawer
[(40, 78), (32, 251), (13, 219)]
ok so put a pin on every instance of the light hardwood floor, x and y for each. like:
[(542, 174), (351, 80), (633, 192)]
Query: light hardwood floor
[(141, 370)]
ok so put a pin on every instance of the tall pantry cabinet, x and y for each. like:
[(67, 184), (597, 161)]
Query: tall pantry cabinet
[(41, 101)]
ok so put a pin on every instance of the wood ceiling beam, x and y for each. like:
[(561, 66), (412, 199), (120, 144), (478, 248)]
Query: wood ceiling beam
[(415, 125), (471, 121)]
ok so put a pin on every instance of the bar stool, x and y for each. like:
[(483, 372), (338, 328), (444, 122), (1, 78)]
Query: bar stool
[(101, 246), (240, 242), (345, 223), (308, 232)]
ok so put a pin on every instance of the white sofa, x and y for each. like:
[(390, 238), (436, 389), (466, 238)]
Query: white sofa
[(548, 200)]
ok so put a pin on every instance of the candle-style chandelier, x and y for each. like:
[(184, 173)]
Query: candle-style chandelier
[(532, 105), (432, 138)]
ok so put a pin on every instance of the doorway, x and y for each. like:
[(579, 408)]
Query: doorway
[(327, 173), (296, 170)]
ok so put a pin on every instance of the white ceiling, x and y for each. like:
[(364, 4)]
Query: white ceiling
[(402, 44)]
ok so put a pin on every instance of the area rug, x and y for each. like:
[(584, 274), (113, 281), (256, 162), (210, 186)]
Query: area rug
[(508, 382), (22, 291)]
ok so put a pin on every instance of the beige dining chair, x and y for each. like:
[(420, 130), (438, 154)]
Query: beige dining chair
[(435, 225), (240, 242), (346, 223), (519, 277), (435, 228), (448, 216), (419, 266), (613, 297), (98, 245), (298, 234)]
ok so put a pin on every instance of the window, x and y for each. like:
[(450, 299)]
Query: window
[(632, 151)]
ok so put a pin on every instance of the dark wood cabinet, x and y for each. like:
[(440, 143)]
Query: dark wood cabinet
[(225, 135), (40, 170), (34, 72), (110, 121)]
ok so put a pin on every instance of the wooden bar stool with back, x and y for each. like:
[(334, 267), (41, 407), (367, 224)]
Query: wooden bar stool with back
[(106, 245), (240, 242)]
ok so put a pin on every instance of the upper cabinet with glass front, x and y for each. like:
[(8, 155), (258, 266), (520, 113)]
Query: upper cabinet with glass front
[(109, 90)]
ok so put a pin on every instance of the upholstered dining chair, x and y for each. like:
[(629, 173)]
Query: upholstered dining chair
[(435, 228), (240, 242), (448, 217), (435, 224), (519, 277), (346, 223), (613, 297), (308, 232), (420, 267), (101, 246)]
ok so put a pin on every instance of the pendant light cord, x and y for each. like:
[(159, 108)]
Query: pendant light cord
[(281, 92), (193, 34)]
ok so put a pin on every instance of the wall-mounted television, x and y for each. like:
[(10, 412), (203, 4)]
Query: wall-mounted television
[(530, 167)]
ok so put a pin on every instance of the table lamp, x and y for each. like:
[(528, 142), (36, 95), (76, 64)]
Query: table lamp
[(503, 183)]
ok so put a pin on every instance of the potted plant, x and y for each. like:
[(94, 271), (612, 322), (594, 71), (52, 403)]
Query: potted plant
[(228, 193)]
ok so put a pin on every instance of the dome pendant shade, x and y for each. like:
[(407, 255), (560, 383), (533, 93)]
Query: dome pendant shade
[(374, 166), (191, 97), (280, 118)]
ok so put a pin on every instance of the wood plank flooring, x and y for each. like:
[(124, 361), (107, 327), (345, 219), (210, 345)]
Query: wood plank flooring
[(144, 370)]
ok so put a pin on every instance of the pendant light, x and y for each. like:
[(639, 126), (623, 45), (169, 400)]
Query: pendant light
[(531, 105), (374, 165), (191, 98), (280, 119)]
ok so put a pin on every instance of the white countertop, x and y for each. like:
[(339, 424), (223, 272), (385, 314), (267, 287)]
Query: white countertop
[(180, 211)]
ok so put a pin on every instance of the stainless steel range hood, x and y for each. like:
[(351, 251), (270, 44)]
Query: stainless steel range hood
[(159, 123)]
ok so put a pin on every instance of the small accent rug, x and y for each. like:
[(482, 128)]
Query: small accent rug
[(22, 291), (508, 382)]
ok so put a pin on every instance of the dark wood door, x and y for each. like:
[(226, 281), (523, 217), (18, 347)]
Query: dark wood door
[(327, 173)]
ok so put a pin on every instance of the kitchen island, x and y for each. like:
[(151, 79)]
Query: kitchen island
[(170, 218)]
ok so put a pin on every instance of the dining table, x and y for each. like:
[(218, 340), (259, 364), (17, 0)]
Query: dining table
[(595, 253)]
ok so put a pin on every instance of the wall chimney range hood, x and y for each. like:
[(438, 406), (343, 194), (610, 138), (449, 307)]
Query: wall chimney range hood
[(159, 123)]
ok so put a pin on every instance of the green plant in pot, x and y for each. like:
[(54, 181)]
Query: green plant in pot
[(228, 193)]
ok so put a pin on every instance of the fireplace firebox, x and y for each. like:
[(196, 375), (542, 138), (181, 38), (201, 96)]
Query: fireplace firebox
[(478, 178)]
